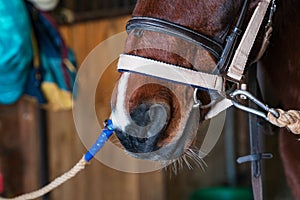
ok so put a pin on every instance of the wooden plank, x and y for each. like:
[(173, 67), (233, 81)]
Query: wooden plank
[(83, 37), (20, 147), (152, 186), (79, 41), (61, 144), (96, 32)]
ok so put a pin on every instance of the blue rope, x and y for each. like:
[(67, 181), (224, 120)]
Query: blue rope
[(102, 139)]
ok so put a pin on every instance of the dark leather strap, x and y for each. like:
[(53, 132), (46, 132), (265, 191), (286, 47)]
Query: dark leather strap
[(231, 41), (222, 54), (159, 25), (256, 139)]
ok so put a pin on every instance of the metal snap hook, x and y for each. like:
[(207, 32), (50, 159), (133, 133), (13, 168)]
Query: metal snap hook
[(254, 100)]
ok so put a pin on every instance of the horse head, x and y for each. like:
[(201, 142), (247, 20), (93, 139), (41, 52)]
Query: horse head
[(158, 119)]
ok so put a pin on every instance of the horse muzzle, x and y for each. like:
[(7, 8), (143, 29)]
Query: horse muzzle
[(153, 120), (145, 128)]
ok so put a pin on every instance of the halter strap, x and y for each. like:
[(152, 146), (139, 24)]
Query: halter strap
[(231, 40), (170, 72), (238, 63), (234, 69)]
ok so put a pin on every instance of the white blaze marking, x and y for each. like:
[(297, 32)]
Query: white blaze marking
[(120, 116)]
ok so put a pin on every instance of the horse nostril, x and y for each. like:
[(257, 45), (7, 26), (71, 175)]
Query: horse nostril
[(143, 133), (148, 120), (140, 115), (159, 117), (144, 114)]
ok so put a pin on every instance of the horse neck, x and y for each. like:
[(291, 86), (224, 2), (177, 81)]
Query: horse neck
[(282, 59)]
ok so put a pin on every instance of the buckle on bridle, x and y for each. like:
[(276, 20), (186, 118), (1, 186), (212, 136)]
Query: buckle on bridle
[(231, 84)]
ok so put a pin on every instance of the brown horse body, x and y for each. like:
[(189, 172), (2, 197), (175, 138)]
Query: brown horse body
[(214, 19), (282, 64)]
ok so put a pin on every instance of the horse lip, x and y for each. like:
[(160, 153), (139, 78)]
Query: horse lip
[(137, 138), (135, 144)]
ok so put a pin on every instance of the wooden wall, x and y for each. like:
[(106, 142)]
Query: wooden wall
[(83, 37), (20, 147)]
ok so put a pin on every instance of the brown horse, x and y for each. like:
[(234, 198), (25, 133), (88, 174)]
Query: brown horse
[(156, 119)]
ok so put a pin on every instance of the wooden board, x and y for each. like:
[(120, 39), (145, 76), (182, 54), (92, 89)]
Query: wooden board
[(20, 155), (83, 37)]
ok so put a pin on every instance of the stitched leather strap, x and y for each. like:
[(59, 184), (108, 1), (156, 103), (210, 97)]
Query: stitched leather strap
[(159, 25), (170, 72), (237, 66)]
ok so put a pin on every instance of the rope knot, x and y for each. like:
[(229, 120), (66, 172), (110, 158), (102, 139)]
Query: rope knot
[(289, 119)]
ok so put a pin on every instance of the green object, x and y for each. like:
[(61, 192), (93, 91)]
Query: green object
[(222, 193)]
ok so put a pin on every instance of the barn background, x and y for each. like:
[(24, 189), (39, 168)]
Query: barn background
[(37, 145)]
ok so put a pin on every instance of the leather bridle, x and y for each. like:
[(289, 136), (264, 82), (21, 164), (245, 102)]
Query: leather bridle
[(222, 52), (231, 57), (162, 26)]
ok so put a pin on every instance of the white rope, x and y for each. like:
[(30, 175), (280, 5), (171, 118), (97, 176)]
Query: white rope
[(55, 183), (289, 119)]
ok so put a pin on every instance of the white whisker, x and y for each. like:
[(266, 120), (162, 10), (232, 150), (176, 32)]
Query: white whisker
[(196, 158), (191, 156), (174, 167), (184, 157), (180, 162)]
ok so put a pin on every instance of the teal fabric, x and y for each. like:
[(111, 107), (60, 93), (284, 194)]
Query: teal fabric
[(15, 49), (52, 51)]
